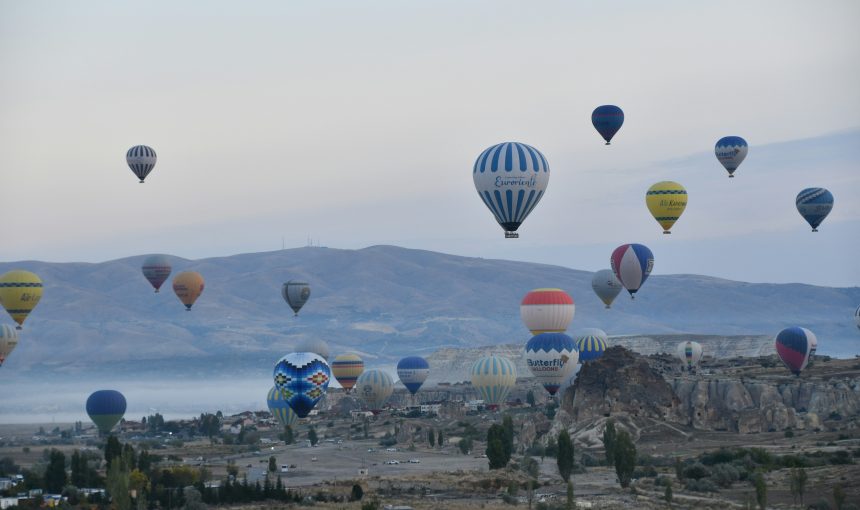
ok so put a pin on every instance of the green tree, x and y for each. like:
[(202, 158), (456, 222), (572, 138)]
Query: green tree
[(8, 466), (531, 467), (465, 445), (838, 497), (667, 494), (625, 457), (55, 473), (679, 470), (530, 398), (508, 440), (113, 449), (609, 435), (439, 439), (496, 453), (564, 458), (312, 436), (287, 436), (431, 438), (570, 504), (357, 493), (797, 482), (760, 491), (118, 484), (273, 465)]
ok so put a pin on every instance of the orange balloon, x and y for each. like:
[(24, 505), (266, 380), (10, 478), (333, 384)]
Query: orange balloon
[(188, 285)]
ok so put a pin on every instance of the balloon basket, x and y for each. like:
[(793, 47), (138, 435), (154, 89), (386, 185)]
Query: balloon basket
[(511, 235), (815, 230), (607, 143), (731, 176), (666, 232)]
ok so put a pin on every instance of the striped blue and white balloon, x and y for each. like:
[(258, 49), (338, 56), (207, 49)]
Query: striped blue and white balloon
[(141, 159), (511, 178), (374, 386), (814, 204), (493, 377), (731, 151), (551, 358)]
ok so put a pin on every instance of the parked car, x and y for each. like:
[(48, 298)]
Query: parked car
[(414, 461), (392, 462)]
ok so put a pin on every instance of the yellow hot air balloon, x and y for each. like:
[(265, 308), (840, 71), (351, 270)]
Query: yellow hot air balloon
[(346, 368), (666, 200), (20, 292), (188, 285)]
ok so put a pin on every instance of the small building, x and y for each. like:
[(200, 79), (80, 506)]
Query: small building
[(9, 502)]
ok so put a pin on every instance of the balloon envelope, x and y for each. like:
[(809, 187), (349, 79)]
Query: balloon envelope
[(493, 377), (374, 386), (296, 294), (607, 120), (591, 343), (794, 346), (606, 286), (106, 408), (632, 263), (731, 151), (511, 178), (413, 371), (666, 201), (302, 378), (551, 357), (20, 292), (346, 369), (314, 345), (156, 269), (689, 353), (8, 341), (857, 317), (547, 310), (279, 408), (814, 204), (141, 159), (188, 285)]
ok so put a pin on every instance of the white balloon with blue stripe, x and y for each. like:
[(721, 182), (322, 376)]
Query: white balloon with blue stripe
[(511, 178), (141, 159), (493, 377)]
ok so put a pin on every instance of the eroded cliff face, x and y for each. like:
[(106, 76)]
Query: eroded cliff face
[(752, 399)]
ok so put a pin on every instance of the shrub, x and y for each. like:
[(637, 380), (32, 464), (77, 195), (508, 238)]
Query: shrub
[(724, 475), (697, 471), (703, 485), (821, 504), (645, 472)]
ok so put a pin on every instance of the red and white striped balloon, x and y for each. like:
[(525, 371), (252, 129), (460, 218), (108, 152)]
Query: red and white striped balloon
[(547, 311)]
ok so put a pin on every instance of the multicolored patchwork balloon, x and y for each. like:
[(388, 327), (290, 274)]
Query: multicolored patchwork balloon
[(511, 178), (590, 342), (302, 378), (547, 310), (632, 263), (551, 358), (794, 346), (279, 408), (814, 204), (413, 371), (730, 152)]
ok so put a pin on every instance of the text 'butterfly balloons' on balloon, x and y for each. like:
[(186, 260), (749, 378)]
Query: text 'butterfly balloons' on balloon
[(730, 152), (511, 178)]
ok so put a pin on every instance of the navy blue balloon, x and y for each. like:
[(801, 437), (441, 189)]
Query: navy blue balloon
[(413, 371), (607, 120), (106, 408)]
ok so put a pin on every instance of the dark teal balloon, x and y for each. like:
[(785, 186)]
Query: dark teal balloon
[(106, 408), (607, 120), (814, 204)]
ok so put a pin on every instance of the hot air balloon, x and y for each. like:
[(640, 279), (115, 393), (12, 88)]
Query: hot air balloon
[(666, 200), (813, 346), (296, 294), (413, 371), (731, 151), (156, 269), (590, 342), (511, 179), (106, 408), (794, 345), (547, 310), (493, 377), (346, 369), (606, 286), (8, 341), (814, 204), (551, 357), (607, 120), (20, 292), (302, 378), (689, 353), (141, 159), (857, 317), (374, 386), (279, 408), (314, 345), (632, 263), (188, 285)]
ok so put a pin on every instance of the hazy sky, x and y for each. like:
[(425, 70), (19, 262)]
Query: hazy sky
[(358, 123)]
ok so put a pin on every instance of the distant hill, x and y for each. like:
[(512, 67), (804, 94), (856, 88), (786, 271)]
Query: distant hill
[(382, 302)]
